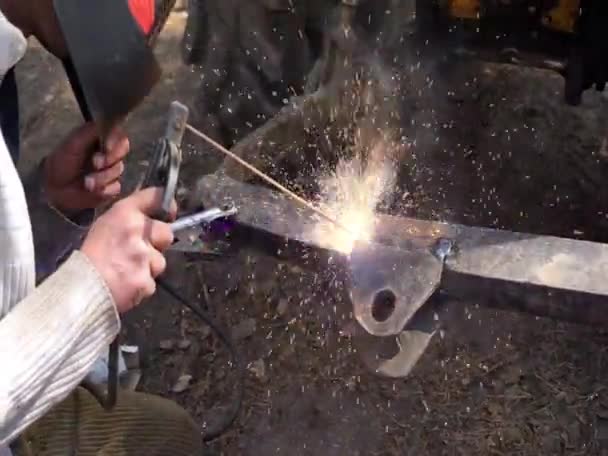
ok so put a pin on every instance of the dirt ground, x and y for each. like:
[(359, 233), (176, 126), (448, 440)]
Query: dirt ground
[(494, 146)]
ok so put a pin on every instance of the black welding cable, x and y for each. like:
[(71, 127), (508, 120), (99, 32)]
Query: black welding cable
[(233, 412)]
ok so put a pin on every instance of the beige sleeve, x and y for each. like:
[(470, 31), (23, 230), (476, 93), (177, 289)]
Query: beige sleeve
[(49, 342)]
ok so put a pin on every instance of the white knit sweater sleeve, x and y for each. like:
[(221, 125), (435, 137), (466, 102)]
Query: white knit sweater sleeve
[(49, 342), (50, 336)]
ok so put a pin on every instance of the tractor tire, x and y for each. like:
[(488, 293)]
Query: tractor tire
[(427, 12), (196, 32), (255, 55)]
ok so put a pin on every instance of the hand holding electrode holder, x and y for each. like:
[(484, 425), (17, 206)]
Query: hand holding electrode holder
[(164, 172)]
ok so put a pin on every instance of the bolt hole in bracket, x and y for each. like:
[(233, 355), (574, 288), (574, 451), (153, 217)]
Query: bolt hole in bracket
[(383, 305)]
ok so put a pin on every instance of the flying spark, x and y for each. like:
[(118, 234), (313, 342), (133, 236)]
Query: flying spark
[(351, 194)]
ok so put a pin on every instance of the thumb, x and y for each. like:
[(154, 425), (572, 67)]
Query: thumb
[(149, 201)]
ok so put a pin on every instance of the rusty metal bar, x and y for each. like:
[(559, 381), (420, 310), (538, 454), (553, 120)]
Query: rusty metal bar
[(546, 276)]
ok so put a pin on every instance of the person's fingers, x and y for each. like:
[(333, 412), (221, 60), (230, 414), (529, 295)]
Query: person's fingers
[(119, 152), (148, 200), (148, 289), (117, 147), (116, 135), (159, 234), (158, 263), (100, 179), (111, 190), (82, 139)]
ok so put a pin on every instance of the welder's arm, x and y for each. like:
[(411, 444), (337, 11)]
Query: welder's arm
[(50, 340), (55, 234)]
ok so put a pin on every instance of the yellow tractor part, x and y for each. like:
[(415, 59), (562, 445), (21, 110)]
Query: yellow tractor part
[(563, 17), (464, 9)]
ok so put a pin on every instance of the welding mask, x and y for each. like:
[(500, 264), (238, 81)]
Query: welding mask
[(111, 64)]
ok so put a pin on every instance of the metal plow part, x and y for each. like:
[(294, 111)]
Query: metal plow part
[(400, 283)]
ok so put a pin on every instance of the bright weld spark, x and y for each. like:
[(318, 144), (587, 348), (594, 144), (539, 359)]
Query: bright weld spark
[(352, 194)]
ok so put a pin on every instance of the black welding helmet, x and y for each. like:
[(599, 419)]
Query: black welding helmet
[(111, 64)]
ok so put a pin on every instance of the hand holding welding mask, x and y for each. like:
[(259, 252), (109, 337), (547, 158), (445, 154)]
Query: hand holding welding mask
[(125, 245), (78, 175)]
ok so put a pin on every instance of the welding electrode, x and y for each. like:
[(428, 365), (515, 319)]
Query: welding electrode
[(268, 179)]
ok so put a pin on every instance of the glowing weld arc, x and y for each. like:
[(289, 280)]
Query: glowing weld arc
[(268, 179)]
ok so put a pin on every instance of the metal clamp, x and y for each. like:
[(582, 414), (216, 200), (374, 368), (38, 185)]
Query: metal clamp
[(164, 168)]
